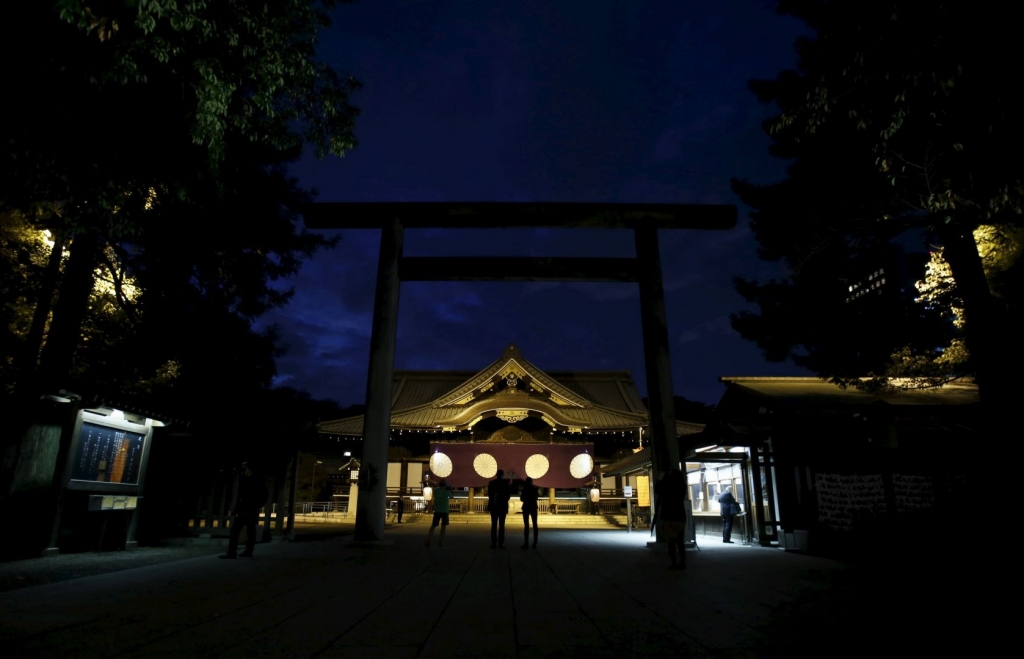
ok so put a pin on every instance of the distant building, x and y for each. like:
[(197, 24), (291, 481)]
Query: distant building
[(887, 273)]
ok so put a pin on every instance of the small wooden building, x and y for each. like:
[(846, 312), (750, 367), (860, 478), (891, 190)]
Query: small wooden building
[(824, 468)]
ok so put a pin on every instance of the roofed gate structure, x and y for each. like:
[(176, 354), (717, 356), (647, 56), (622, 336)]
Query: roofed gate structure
[(645, 220)]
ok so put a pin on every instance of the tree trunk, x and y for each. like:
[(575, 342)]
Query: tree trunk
[(70, 311), (28, 360), (987, 332)]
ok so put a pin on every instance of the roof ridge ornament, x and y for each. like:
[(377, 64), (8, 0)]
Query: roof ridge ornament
[(516, 372)]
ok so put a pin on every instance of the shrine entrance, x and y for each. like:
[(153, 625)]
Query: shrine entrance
[(644, 269)]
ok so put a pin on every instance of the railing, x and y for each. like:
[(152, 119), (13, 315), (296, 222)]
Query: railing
[(339, 509), (209, 508), (325, 509)]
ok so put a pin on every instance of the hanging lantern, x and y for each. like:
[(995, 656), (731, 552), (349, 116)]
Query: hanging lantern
[(428, 493), (595, 494)]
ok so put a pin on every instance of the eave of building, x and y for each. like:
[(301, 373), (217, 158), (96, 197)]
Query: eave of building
[(813, 392), (463, 417), (641, 460), (612, 389)]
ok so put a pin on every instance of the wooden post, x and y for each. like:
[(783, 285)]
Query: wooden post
[(769, 485), (745, 473), (373, 471), (759, 518), (293, 491)]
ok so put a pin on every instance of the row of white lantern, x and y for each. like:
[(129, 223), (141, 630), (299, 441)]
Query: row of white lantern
[(486, 466)]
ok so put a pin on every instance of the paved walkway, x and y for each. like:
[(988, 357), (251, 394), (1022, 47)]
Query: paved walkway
[(583, 593)]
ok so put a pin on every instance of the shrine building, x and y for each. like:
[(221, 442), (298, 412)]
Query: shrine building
[(559, 428)]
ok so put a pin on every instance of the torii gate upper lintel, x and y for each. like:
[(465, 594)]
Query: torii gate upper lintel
[(393, 218)]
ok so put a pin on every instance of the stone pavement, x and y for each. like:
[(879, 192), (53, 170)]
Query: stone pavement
[(583, 593)]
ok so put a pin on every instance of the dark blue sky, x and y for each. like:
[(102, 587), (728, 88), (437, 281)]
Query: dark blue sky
[(596, 101)]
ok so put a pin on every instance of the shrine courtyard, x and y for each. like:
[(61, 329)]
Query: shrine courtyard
[(582, 593)]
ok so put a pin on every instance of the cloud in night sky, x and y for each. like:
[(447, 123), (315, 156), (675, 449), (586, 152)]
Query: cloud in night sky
[(539, 101)]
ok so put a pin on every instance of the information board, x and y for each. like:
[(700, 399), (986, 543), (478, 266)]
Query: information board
[(107, 455)]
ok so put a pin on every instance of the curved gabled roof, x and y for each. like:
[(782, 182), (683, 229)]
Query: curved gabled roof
[(458, 399), (511, 365)]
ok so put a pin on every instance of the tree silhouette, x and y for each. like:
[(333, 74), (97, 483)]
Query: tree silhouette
[(895, 119), (152, 127), (144, 196)]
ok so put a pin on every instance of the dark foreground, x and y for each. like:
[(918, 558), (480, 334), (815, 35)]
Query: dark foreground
[(581, 594)]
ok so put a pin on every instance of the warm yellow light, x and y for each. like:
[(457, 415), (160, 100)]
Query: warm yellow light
[(643, 490)]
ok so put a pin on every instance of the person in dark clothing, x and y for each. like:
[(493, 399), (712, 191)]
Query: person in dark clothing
[(729, 508), (252, 495), (498, 493), (529, 498), (400, 508), (670, 508)]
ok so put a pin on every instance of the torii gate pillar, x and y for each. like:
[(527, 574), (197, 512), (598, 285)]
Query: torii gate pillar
[(373, 470)]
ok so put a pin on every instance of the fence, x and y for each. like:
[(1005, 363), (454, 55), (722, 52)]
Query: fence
[(460, 505), (215, 516)]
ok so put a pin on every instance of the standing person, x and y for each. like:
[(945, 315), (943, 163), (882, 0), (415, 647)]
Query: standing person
[(442, 495), (498, 494), (671, 513), (729, 508), (529, 499), (400, 508), (252, 495)]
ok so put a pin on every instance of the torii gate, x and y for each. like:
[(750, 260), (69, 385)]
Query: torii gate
[(393, 268)]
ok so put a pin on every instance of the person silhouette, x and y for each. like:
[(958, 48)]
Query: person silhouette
[(252, 495), (442, 496), (400, 508), (498, 493), (529, 499), (729, 508)]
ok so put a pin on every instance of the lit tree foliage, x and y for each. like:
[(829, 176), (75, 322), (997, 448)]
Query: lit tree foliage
[(246, 67), (895, 119), (1000, 249), (152, 147)]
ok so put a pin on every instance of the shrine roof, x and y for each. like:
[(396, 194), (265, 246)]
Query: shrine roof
[(596, 400)]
